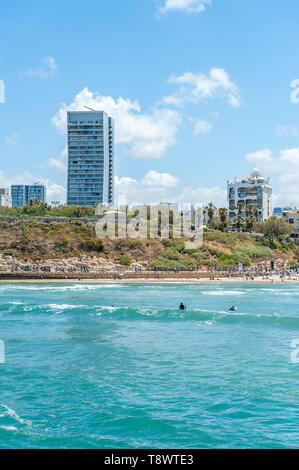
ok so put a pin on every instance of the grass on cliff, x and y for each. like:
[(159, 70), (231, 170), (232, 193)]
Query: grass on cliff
[(223, 251), (34, 240)]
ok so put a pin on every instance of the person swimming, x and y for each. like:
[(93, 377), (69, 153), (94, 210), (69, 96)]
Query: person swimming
[(182, 306), (233, 309)]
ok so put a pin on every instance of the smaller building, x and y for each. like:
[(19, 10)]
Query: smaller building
[(5, 200), (21, 194), (292, 217), (277, 211), (254, 191), (36, 192)]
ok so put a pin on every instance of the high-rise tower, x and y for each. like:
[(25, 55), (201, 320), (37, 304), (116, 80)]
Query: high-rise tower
[(90, 158)]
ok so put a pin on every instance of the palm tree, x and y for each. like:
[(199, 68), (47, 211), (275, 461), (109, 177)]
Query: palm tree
[(240, 218), (211, 211), (249, 218), (223, 214)]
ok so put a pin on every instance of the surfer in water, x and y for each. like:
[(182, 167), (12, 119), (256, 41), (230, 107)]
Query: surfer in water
[(182, 306), (233, 309)]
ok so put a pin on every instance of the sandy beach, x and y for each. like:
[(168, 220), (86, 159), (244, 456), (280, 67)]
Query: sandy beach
[(273, 280)]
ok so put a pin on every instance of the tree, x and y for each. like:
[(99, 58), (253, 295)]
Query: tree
[(239, 220), (273, 228), (250, 218), (211, 212), (223, 214)]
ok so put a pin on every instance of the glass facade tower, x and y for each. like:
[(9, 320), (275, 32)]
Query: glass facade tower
[(90, 158), (21, 194)]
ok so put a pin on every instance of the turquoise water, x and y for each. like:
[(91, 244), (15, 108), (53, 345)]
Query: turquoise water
[(82, 374)]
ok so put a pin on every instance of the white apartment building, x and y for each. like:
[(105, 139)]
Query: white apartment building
[(253, 191), (5, 199)]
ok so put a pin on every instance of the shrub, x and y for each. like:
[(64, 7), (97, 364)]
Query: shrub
[(125, 260), (176, 245), (227, 239), (172, 254), (98, 245), (88, 245), (273, 227), (230, 261), (252, 252), (10, 252), (136, 243)]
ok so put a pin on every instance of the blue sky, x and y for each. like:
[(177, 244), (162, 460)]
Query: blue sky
[(201, 92)]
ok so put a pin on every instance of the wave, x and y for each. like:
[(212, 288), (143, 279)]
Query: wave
[(9, 428), (60, 288), (223, 292), (209, 317), (130, 313), (6, 412)]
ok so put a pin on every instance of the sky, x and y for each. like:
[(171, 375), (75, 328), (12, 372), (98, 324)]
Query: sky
[(201, 91)]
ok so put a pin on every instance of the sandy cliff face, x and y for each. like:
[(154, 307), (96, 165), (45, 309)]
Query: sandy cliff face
[(72, 244), (69, 244)]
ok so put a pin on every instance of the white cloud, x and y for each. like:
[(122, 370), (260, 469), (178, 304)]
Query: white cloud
[(189, 6), (55, 192), (291, 130), (204, 195), (155, 179), (47, 69), (59, 163), (152, 188), (147, 135), (156, 187), (294, 94), (202, 127), (286, 167), (195, 87), (263, 157), (12, 140)]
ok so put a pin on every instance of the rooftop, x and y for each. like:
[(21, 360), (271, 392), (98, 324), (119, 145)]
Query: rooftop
[(254, 178)]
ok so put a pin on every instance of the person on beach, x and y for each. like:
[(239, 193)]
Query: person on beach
[(182, 306)]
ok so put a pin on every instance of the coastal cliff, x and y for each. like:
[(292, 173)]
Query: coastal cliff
[(68, 244)]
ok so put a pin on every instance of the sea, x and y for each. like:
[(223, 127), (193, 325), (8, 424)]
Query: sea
[(119, 366)]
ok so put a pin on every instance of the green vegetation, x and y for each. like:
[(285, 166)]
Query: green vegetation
[(125, 260), (223, 251), (10, 252), (136, 243), (92, 245), (32, 239), (39, 209), (273, 228)]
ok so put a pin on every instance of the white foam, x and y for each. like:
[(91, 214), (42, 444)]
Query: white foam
[(62, 307), (73, 287), (224, 292), (9, 428), (13, 415)]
